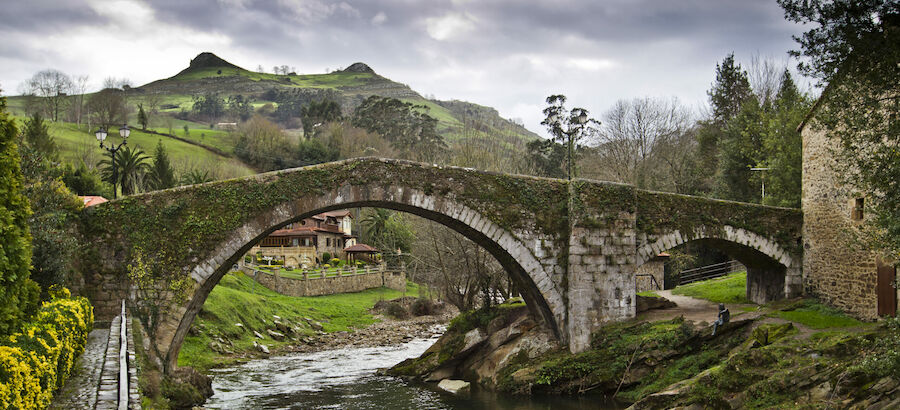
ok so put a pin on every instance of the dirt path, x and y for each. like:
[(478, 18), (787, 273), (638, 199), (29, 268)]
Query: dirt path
[(693, 309)]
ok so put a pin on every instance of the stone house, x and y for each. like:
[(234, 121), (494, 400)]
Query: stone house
[(305, 243), (836, 267)]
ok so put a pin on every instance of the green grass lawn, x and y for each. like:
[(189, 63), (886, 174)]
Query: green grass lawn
[(648, 294), (813, 314), (77, 143), (239, 299), (727, 289)]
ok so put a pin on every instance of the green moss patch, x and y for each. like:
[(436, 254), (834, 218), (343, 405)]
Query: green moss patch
[(728, 289), (815, 315)]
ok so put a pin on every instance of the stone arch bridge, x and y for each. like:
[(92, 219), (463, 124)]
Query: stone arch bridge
[(570, 246)]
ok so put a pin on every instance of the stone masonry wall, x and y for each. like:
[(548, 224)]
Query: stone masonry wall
[(841, 274), (601, 280), (656, 268), (333, 285)]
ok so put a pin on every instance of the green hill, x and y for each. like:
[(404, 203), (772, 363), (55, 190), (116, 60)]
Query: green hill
[(194, 144), (207, 73)]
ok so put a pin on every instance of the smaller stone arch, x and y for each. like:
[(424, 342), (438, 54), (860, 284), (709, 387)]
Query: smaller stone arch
[(772, 272)]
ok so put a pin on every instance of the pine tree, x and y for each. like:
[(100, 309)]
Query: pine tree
[(161, 174), (37, 136), (782, 145), (730, 91), (16, 293), (142, 117)]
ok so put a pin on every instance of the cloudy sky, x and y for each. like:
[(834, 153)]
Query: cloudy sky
[(508, 54)]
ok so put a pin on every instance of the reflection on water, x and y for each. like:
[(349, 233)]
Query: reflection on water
[(346, 379)]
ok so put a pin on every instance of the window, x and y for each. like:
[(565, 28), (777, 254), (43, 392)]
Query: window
[(295, 242), (858, 209), (327, 241)]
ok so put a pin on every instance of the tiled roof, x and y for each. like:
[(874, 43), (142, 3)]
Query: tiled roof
[(306, 231), (93, 200), (340, 213), (360, 247)]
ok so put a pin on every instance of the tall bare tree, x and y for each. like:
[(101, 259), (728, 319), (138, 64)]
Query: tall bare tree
[(640, 141), (53, 88)]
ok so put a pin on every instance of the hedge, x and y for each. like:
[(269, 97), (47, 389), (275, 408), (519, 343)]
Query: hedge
[(37, 361)]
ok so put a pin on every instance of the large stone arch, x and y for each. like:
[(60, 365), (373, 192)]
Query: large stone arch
[(542, 294), (772, 272)]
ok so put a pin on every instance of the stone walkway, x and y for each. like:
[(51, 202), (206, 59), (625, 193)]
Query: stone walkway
[(80, 391)]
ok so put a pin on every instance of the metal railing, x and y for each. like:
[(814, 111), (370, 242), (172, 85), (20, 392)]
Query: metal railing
[(123, 362), (652, 279), (715, 270)]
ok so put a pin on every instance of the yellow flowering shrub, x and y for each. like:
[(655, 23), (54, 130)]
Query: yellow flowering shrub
[(36, 361)]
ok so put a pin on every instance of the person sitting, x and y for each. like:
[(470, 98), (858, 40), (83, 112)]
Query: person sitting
[(724, 317)]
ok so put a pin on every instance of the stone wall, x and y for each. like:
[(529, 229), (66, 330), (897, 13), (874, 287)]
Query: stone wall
[(835, 269), (655, 268), (293, 256), (346, 283)]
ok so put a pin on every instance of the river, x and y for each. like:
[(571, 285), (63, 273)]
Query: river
[(346, 379)]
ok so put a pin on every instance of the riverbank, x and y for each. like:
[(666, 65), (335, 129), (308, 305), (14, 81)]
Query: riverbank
[(790, 353), (242, 320)]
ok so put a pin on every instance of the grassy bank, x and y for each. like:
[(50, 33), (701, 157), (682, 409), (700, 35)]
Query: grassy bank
[(727, 289), (773, 361), (239, 299)]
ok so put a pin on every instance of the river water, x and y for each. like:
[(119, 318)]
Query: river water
[(346, 379)]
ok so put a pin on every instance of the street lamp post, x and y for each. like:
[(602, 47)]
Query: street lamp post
[(101, 134), (762, 179)]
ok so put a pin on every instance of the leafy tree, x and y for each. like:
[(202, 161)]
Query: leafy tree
[(407, 127), (852, 46), (15, 240), (239, 107), (126, 169), (263, 145), (54, 207), (209, 105), (161, 174), (83, 181), (142, 117), (567, 127), (318, 112), (315, 152), (547, 157), (388, 231)]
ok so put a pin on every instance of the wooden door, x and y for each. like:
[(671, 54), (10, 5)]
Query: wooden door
[(887, 292)]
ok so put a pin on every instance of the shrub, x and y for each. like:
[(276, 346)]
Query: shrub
[(397, 310), (423, 307), (38, 360), (326, 256), (15, 240), (335, 262)]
